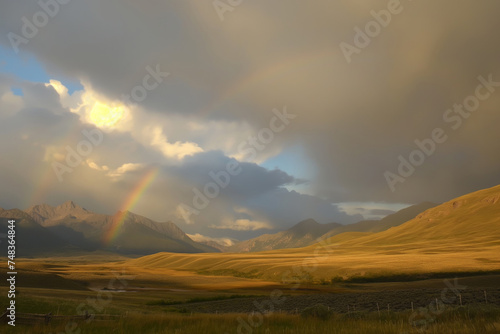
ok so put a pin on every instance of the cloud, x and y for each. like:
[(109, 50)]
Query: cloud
[(122, 170), (253, 201), (176, 150), (59, 87), (95, 166), (243, 225), (11, 102), (370, 210), (203, 238)]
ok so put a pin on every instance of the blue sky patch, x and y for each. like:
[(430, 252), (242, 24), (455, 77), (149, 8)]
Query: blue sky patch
[(27, 68)]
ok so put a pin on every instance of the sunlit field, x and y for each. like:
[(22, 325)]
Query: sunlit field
[(163, 300)]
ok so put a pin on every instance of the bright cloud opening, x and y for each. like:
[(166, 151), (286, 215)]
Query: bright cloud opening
[(103, 115)]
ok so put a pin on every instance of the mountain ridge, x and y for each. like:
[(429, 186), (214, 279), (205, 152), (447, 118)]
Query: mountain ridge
[(308, 231), (87, 229)]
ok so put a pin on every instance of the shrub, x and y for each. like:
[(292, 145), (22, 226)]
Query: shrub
[(337, 279), (317, 311)]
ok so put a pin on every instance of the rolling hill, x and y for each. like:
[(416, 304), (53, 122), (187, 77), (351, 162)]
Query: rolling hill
[(472, 220), (383, 224), (461, 235)]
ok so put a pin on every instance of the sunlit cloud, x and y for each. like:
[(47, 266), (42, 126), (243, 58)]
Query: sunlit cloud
[(95, 166), (103, 115), (203, 238), (96, 109), (124, 169), (58, 86), (243, 225), (177, 150)]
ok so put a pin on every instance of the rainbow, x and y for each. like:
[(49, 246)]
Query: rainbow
[(129, 203)]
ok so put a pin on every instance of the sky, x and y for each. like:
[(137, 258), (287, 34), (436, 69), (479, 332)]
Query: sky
[(238, 118)]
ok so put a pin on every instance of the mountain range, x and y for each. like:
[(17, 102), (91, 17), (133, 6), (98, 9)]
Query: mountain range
[(69, 227)]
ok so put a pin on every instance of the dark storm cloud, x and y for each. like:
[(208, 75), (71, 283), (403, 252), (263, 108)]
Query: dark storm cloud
[(354, 120), (255, 193)]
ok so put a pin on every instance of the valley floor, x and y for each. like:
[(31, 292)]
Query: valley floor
[(162, 300)]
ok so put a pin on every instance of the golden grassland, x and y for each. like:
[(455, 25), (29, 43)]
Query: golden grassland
[(38, 292), (277, 266)]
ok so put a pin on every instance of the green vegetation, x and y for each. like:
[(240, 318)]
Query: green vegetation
[(319, 311), (230, 272), (379, 278), (462, 320), (163, 302)]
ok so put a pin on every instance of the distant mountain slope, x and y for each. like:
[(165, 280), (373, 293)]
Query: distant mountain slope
[(44, 213), (383, 224), (31, 239), (308, 231), (137, 234), (300, 235)]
